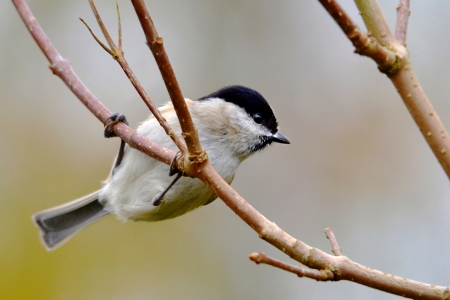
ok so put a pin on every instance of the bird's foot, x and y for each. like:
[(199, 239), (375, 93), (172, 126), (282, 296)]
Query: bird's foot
[(111, 121)]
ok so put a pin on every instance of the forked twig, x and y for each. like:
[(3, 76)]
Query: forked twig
[(398, 67), (117, 53)]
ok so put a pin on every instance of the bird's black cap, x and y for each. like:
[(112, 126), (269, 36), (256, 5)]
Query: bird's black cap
[(251, 101)]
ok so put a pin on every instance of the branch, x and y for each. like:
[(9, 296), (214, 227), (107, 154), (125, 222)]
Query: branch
[(117, 54), (341, 267), (62, 68), (155, 42), (319, 275), (364, 43), (397, 66), (334, 245), (403, 13), (375, 21)]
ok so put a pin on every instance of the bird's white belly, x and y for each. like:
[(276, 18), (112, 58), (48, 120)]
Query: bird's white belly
[(131, 198), (129, 194)]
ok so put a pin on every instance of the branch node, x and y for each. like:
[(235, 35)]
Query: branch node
[(390, 68), (257, 257), (366, 44), (264, 234)]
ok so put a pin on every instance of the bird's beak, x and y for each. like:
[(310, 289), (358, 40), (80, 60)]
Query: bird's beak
[(279, 138)]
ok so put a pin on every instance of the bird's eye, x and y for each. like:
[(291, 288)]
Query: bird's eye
[(257, 118)]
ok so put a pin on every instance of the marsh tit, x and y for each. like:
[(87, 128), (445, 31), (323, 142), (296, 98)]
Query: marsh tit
[(233, 123)]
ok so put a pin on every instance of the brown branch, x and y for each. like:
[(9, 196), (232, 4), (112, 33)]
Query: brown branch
[(403, 13), (375, 22), (117, 53), (399, 69), (119, 22), (334, 245), (421, 110), (155, 42), (342, 267), (364, 43), (319, 275), (61, 67)]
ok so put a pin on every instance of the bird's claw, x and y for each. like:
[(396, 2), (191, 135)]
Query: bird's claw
[(173, 169), (111, 121)]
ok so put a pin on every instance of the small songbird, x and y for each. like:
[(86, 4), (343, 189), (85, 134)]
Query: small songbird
[(233, 123)]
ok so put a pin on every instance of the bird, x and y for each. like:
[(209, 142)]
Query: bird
[(233, 123)]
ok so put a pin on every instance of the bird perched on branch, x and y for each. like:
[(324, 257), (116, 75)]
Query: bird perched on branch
[(233, 123)]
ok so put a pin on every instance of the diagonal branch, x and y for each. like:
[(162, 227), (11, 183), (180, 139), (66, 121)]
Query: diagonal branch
[(155, 43), (62, 68), (342, 267)]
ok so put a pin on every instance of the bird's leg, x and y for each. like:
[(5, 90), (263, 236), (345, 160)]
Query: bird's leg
[(111, 121), (119, 155), (158, 198), (173, 170), (173, 165)]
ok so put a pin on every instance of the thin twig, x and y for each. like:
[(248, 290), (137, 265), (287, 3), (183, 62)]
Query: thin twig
[(334, 245), (117, 53), (403, 13), (110, 52), (119, 22), (319, 275), (197, 156), (102, 26)]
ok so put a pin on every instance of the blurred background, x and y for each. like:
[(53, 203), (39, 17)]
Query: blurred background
[(357, 162)]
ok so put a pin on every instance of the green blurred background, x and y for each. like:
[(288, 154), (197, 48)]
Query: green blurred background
[(357, 162)]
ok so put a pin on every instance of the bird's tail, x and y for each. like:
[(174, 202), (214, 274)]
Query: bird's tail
[(58, 224)]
